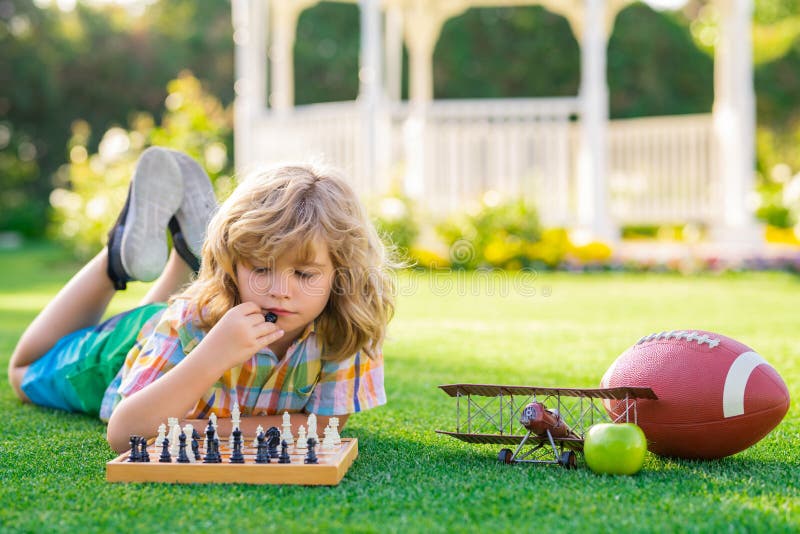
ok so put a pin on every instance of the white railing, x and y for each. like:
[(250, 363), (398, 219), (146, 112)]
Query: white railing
[(661, 169), (518, 147)]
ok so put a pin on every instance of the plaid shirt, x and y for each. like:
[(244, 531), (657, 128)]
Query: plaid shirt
[(263, 385)]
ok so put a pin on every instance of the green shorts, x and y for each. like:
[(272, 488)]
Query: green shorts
[(74, 374)]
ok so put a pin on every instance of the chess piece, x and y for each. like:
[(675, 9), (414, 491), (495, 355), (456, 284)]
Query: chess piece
[(262, 456), (327, 443), (259, 430), (312, 427), (334, 424), (236, 456), (183, 458), (175, 431), (273, 440), (165, 457), (301, 438), (210, 458), (284, 458), (212, 419), (162, 433), (286, 430), (270, 317), (144, 456), (134, 455), (311, 457), (195, 449)]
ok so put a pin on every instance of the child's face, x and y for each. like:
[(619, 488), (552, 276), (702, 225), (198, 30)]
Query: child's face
[(294, 290)]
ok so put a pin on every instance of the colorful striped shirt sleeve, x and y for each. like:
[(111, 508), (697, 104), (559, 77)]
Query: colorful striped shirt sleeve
[(159, 352), (348, 386)]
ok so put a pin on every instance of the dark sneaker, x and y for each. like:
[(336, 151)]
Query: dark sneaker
[(198, 205), (137, 244)]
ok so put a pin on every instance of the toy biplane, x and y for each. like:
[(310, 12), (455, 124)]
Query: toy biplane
[(547, 425)]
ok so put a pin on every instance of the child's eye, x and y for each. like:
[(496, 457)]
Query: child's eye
[(261, 270), (302, 274)]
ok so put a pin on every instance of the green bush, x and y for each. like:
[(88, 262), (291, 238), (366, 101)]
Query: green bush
[(395, 220), (91, 189), (496, 235)]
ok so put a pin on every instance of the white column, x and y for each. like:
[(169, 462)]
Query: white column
[(250, 22), (734, 123), (593, 217), (394, 54), (370, 94), (284, 26)]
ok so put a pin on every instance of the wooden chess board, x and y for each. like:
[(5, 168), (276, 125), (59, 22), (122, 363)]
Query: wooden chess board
[(329, 471)]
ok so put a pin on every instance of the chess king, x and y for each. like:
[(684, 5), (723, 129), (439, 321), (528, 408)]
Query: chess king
[(277, 301)]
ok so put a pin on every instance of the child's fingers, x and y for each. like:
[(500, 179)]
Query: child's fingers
[(270, 337)]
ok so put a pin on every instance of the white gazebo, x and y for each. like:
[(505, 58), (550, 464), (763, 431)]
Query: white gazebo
[(582, 170)]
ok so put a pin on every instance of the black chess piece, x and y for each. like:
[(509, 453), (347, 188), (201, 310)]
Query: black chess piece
[(311, 455), (183, 458), (210, 457), (273, 440), (196, 434), (284, 458), (134, 455), (236, 455), (217, 455), (270, 317), (195, 446), (143, 455), (262, 456), (165, 456)]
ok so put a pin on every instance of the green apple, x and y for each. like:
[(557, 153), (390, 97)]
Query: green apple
[(615, 449)]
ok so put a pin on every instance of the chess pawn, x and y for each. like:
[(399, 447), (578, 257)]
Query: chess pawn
[(284, 458), (311, 457), (301, 438), (327, 443), (259, 430), (162, 433), (165, 457), (312, 427)]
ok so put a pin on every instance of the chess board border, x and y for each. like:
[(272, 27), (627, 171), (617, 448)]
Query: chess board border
[(329, 472)]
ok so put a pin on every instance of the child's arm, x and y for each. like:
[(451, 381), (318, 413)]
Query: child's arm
[(240, 333)]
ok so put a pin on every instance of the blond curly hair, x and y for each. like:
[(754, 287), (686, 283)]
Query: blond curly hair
[(286, 209)]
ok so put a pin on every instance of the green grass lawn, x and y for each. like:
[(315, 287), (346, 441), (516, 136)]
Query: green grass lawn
[(555, 330)]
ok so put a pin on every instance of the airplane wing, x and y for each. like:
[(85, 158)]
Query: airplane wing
[(494, 390)]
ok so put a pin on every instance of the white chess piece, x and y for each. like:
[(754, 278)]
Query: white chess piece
[(286, 431), (175, 432), (213, 420), (302, 438), (259, 430), (312, 427), (327, 443), (236, 417), (334, 424)]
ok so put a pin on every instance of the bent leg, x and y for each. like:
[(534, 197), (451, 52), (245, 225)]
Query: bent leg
[(80, 304)]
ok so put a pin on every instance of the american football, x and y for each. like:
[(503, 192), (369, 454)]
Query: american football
[(716, 396)]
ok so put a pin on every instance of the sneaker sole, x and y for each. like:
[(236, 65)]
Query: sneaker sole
[(199, 202), (156, 193)]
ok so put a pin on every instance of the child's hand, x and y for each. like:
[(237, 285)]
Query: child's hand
[(242, 332)]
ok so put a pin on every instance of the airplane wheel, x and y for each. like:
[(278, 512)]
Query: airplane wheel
[(568, 460), (505, 456)]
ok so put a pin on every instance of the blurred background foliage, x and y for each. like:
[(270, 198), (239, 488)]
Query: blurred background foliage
[(70, 81)]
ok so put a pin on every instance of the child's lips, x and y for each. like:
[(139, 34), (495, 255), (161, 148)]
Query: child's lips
[(280, 311)]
